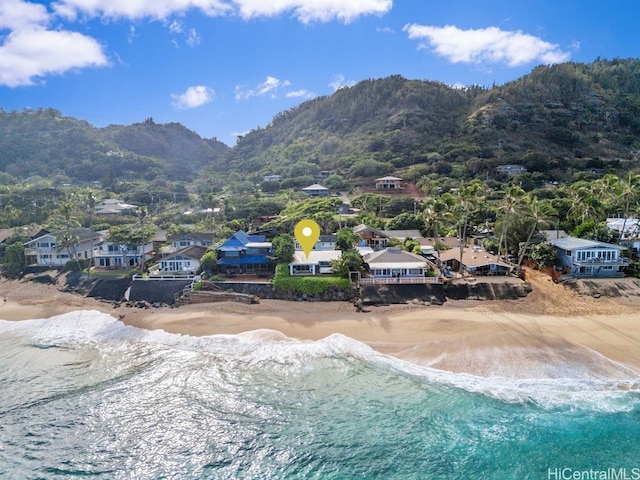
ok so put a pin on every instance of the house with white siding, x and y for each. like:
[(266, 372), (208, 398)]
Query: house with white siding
[(47, 250)]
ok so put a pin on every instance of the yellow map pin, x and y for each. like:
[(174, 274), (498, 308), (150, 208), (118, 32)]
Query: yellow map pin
[(307, 233)]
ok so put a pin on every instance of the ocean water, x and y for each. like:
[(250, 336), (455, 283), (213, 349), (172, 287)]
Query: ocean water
[(82, 395)]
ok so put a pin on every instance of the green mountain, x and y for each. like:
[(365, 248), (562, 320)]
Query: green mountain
[(45, 143), (556, 120)]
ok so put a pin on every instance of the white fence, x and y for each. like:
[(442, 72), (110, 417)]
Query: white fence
[(165, 277), (399, 280)]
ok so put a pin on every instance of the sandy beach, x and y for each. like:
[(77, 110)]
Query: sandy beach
[(552, 333)]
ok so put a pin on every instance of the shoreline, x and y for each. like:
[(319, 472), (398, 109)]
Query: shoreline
[(551, 333)]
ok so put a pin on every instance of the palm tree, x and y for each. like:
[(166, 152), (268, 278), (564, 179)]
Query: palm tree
[(467, 197), (91, 207), (510, 204), (141, 213), (626, 196), (540, 212), (436, 212)]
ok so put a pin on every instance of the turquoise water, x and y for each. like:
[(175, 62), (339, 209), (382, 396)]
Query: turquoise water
[(82, 395)]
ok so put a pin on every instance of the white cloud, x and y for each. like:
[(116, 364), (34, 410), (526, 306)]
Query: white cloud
[(270, 86), (175, 27), (193, 97), (30, 54), (307, 11), (193, 38), (300, 94), (136, 9), (338, 81), (30, 51), (490, 44), (132, 34), (385, 30), (18, 14)]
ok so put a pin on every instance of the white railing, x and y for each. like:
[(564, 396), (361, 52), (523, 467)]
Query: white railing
[(399, 280), (164, 277)]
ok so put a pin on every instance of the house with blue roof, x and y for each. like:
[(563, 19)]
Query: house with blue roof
[(244, 253), (589, 258)]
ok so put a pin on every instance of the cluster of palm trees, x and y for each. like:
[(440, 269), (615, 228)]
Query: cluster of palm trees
[(516, 215)]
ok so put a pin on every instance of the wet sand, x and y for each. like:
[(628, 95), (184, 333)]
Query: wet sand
[(553, 333)]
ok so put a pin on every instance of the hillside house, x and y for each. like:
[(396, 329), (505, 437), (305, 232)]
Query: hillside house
[(511, 169), (389, 183), (46, 250), (114, 206), (244, 253), (589, 258), (316, 190)]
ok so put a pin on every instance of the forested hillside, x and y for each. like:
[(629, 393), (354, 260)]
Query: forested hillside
[(556, 120), (43, 142)]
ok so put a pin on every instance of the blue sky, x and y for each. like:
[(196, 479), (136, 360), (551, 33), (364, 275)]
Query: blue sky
[(225, 67)]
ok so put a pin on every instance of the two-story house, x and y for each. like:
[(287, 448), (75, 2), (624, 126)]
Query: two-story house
[(48, 250), (181, 241), (371, 237), (244, 253), (107, 254), (389, 183), (589, 258)]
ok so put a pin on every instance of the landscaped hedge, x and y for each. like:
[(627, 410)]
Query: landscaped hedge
[(311, 285)]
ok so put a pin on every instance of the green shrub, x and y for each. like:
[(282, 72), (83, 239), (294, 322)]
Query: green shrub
[(312, 285)]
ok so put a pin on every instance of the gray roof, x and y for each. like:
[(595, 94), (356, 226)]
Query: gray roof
[(402, 234), (553, 234), (573, 243), (315, 186), (394, 257)]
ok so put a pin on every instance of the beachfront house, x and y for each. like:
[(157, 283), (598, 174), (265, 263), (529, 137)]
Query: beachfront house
[(395, 263), (186, 260), (50, 249), (475, 261), (589, 258), (107, 254), (318, 262), (244, 253)]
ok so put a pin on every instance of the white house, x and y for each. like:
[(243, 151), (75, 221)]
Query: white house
[(46, 250), (184, 240), (186, 260), (316, 190), (319, 261), (107, 254), (388, 183), (393, 262), (325, 242)]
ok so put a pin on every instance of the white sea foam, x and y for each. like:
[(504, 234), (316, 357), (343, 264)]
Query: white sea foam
[(259, 346)]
